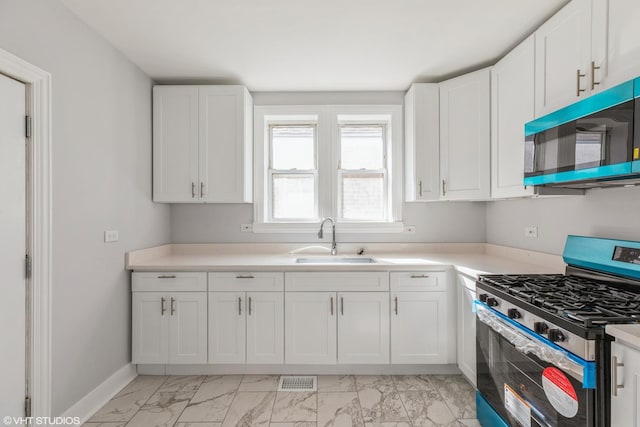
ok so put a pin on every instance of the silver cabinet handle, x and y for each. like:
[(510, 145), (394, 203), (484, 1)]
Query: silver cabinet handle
[(579, 75), (614, 376), (249, 306), (444, 187), (594, 83), (419, 276), (173, 305), (245, 277), (163, 306), (167, 276), (331, 299), (239, 306), (420, 188), (193, 190), (396, 303), (342, 306), (201, 189)]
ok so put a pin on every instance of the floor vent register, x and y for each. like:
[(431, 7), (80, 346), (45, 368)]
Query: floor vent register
[(298, 383)]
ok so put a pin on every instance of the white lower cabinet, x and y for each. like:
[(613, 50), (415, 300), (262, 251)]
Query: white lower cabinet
[(246, 327), (625, 386), (467, 327), (310, 328), (169, 327), (363, 328)]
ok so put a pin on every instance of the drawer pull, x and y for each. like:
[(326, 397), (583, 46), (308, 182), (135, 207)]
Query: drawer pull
[(396, 301), (239, 306), (173, 306), (332, 306), (167, 276), (419, 276), (249, 306), (245, 277), (614, 376), (342, 306), (163, 306)]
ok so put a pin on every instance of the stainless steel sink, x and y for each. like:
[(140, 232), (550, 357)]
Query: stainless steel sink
[(335, 260)]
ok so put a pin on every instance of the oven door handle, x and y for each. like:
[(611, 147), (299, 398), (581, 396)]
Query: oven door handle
[(524, 342)]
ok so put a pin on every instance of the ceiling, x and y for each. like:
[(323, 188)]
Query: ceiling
[(303, 45)]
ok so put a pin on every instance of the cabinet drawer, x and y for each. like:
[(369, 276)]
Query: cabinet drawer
[(419, 281), (246, 281), (337, 281), (168, 281)]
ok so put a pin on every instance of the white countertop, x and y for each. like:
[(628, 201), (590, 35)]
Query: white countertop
[(629, 334), (468, 258)]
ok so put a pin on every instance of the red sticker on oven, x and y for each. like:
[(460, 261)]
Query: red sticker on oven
[(560, 392)]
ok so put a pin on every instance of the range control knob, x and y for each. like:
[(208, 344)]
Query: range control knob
[(540, 327), (513, 313), (492, 302), (555, 335), (483, 297)]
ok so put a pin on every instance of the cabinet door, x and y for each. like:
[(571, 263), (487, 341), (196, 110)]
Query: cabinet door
[(265, 327), (626, 400), (563, 52), (422, 142), (175, 143), (466, 328), (310, 328), (227, 327), (225, 144), (465, 108), (419, 327), (512, 105), (615, 42), (363, 327), (187, 327), (150, 327)]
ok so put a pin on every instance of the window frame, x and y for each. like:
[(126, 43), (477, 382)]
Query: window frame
[(328, 119)]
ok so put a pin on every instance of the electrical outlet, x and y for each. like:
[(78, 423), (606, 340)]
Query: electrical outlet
[(246, 228), (411, 229), (531, 232), (111, 236)]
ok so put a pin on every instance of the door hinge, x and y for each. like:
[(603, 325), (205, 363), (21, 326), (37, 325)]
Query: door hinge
[(27, 407), (27, 126), (27, 266)]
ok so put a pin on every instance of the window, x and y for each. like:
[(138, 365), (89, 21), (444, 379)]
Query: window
[(317, 161)]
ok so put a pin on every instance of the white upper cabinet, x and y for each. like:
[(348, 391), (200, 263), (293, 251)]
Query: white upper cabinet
[(512, 105), (563, 53), (465, 109), (615, 43), (422, 140), (202, 144)]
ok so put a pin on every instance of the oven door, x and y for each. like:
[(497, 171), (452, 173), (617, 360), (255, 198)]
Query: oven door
[(527, 381)]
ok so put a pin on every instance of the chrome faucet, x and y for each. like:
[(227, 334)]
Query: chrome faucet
[(334, 251)]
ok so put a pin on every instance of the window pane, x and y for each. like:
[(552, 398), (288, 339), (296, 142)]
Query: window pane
[(363, 197), (292, 147), (362, 147), (293, 196)]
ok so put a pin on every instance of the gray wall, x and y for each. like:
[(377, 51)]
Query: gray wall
[(612, 213), (101, 180)]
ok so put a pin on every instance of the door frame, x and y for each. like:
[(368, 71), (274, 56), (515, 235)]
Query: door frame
[(38, 86)]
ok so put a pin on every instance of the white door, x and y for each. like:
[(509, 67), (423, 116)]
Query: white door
[(615, 42), (466, 327), (310, 328), (363, 327), (563, 51), (419, 327), (626, 398), (175, 144), (12, 246), (222, 144), (465, 109), (227, 327), (187, 327), (150, 327), (512, 105), (265, 327)]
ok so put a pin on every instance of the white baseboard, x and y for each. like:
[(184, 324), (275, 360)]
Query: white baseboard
[(99, 396)]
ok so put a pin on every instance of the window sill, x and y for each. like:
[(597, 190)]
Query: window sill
[(355, 228)]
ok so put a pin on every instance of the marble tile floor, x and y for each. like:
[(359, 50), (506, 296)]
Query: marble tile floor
[(252, 400)]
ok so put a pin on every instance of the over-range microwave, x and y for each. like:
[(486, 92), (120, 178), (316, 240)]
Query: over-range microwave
[(592, 143)]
